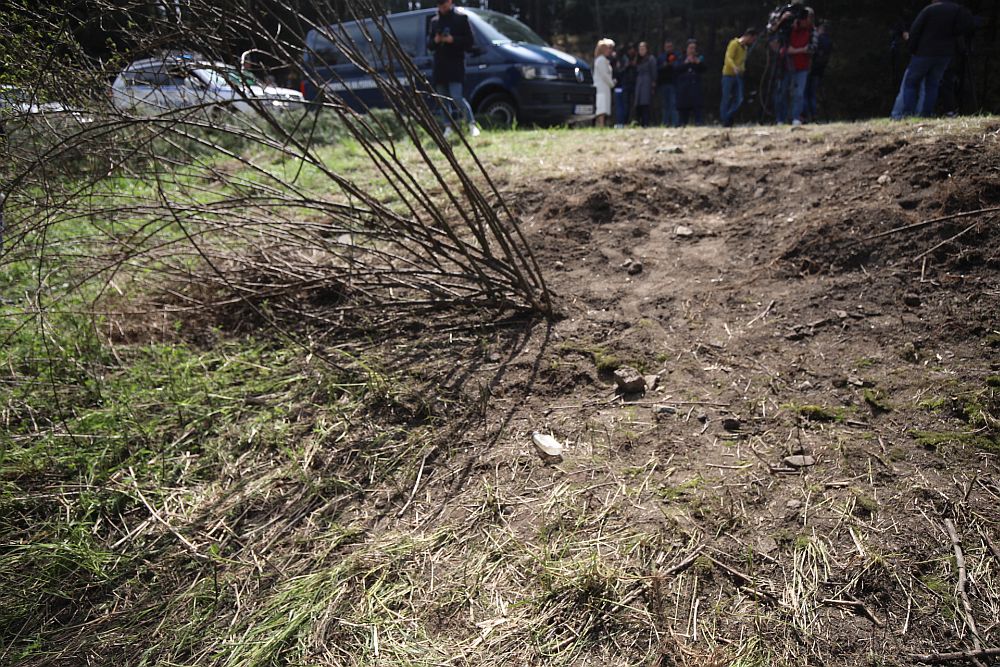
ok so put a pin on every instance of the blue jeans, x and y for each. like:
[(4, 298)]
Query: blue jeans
[(897, 107), (798, 81), (732, 98), (812, 95), (926, 70), (453, 90), (623, 105), (668, 96)]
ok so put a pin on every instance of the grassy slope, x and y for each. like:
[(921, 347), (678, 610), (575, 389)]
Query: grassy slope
[(245, 504)]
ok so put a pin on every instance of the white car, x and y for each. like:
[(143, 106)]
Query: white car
[(18, 104), (179, 81), (22, 110)]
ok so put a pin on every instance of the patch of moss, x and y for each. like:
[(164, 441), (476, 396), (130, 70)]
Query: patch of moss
[(703, 565), (864, 505), (933, 439), (673, 493), (877, 400), (935, 405), (819, 413)]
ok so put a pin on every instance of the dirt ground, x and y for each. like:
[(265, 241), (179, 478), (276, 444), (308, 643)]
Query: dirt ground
[(743, 270), (811, 477)]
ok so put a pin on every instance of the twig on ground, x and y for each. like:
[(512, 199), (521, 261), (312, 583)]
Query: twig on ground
[(859, 606), (946, 242), (940, 658), (927, 223), (764, 313), (970, 620)]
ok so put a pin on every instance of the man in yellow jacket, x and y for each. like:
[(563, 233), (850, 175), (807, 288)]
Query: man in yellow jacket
[(732, 76)]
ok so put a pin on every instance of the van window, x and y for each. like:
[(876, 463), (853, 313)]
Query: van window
[(326, 49), (409, 34)]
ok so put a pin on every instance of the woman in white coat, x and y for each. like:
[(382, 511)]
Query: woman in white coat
[(603, 80)]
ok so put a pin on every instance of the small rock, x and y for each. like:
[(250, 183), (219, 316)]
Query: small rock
[(912, 300), (855, 380), (799, 461), (841, 314), (758, 193), (767, 544), (635, 268), (549, 448), (629, 380), (840, 382), (664, 411), (884, 179), (672, 150), (805, 385), (495, 357), (732, 424), (684, 231), (560, 265), (703, 417), (794, 504)]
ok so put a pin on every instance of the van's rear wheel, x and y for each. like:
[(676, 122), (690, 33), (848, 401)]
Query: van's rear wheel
[(497, 110)]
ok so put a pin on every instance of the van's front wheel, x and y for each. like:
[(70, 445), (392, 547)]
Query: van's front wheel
[(497, 110)]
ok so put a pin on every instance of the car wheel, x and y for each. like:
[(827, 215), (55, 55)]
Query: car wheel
[(497, 110)]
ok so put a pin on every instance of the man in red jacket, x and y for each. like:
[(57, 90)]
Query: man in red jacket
[(795, 51)]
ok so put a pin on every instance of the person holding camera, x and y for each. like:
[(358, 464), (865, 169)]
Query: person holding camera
[(448, 38), (797, 42)]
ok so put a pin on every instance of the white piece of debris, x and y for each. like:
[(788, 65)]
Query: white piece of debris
[(550, 448), (684, 231), (884, 179)]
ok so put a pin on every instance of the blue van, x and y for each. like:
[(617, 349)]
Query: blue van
[(511, 74)]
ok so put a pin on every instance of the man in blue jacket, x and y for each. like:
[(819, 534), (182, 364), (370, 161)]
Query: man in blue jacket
[(938, 31), (448, 38)]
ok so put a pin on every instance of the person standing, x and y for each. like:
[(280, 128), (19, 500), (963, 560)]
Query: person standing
[(645, 84), (690, 100), (625, 76), (824, 50), (603, 81), (732, 76), (449, 36), (798, 57), (938, 31), (666, 85)]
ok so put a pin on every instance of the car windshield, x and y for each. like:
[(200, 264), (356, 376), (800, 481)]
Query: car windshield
[(502, 29), (225, 77)]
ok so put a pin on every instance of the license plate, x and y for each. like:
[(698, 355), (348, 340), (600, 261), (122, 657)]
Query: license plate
[(583, 110)]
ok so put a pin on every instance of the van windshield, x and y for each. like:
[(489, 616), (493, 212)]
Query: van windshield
[(502, 29)]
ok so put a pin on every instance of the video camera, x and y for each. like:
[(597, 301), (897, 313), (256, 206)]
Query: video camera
[(796, 11)]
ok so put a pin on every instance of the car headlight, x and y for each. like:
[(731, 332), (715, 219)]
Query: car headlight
[(539, 72)]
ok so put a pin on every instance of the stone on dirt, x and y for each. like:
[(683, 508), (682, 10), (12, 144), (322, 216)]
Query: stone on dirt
[(684, 231), (548, 447), (800, 461), (634, 268), (629, 380)]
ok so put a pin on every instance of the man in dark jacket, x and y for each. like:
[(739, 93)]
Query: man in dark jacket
[(934, 36), (666, 85), (448, 38)]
